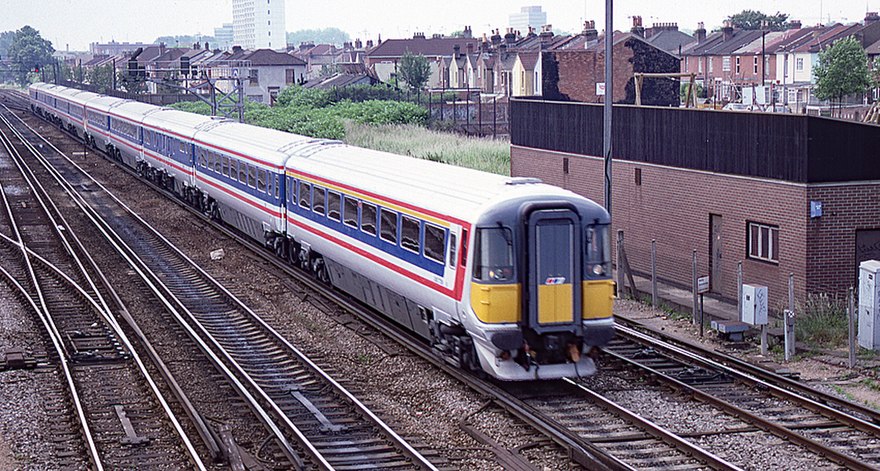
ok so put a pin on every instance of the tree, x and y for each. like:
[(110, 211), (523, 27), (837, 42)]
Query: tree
[(414, 70), (6, 38), (101, 77), (842, 70), (29, 51), (751, 19)]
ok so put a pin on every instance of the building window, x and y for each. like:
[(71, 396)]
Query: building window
[(737, 65), (254, 76), (700, 65), (711, 64), (763, 242), (756, 65), (289, 76), (725, 64), (800, 63)]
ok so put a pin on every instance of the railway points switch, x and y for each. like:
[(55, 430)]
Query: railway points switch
[(869, 304), (754, 305)]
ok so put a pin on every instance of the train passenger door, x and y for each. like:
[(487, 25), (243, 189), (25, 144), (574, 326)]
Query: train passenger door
[(554, 270)]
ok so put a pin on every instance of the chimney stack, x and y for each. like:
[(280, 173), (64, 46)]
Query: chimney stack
[(637, 28), (418, 35), (468, 34), (727, 30), (794, 24), (700, 32), (871, 17), (510, 37), (546, 33), (470, 48), (456, 51), (369, 43)]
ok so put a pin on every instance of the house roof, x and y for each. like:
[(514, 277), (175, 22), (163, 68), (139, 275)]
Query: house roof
[(671, 40), (873, 49), (529, 59), (267, 57), (424, 46), (825, 36)]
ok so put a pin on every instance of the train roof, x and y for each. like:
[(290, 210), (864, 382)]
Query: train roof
[(105, 103), (176, 121), (134, 110), (448, 189), (268, 146)]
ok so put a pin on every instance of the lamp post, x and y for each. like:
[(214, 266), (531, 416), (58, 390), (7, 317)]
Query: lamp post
[(609, 97)]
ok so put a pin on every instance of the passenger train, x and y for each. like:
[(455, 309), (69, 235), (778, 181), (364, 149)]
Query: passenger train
[(507, 276)]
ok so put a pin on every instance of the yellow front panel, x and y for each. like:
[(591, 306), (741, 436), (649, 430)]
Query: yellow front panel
[(598, 299), (496, 304), (555, 304)]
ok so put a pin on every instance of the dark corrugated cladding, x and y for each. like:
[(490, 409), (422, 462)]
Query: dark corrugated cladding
[(797, 148)]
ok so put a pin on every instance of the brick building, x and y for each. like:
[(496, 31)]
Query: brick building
[(734, 187), (572, 70)]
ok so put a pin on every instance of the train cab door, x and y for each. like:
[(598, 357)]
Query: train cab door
[(554, 281)]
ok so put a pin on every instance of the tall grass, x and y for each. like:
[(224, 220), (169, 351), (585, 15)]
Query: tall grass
[(484, 154), (822, 321)]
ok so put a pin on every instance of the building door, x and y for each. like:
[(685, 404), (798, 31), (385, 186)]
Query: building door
[(716, 249)]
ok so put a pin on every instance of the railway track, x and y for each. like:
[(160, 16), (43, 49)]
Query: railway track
[(798, 415), (620, 432), (123, 419), (314, 420)]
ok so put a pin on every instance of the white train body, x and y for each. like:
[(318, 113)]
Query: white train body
[(508, 276)]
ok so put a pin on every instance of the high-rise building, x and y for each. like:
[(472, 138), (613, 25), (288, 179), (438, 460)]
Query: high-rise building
[(258, 24), (528, 16), (224, 37)]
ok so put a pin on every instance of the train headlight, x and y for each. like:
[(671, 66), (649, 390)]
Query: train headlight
[(598, 269)]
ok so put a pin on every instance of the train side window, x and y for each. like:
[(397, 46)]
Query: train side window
[(493, 255), (225, 165), (435, 238), (351, 212), (233, 169), (388, 230), (252, 176), (183, 147), (318, 200), (261, 180), (269, 181), (453, 242), (464, 248), (243, 173), (203, 160), (278, 181), (409, 233), (333, 206), (368, 218), (218, 163), (305, 195), (290, 191)]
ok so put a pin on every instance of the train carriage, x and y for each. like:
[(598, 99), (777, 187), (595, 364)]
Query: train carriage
[(168, 150), (503, 275), (97, 122), (239, 170)]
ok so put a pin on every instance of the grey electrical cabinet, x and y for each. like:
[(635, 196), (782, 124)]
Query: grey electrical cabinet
[(869, 304)]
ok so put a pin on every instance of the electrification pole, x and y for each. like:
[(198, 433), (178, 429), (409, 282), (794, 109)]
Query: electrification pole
[(609, 94)]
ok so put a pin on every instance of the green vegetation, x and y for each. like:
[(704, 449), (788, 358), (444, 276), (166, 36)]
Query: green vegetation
[(478, 153), (318, 113), (318, 36), (414, 70), (27, 51), (750, 19), (842, 70), (822, 322), (353, 115)]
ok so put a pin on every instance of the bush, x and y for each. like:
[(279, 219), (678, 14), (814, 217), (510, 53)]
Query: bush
[(381, 112), (822, 322), (298, 96)]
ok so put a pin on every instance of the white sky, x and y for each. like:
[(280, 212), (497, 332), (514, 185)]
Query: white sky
[(79, 22)]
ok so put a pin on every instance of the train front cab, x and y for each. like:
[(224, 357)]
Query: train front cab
[(542, 291)]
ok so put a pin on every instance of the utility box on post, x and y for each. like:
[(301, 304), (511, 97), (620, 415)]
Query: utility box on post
[(869, 304), (754, 305)]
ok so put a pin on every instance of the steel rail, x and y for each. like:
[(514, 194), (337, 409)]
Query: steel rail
[(758, 372), (764, 424), (101, 309), (410, 451), (148, 277), (56, 340)]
